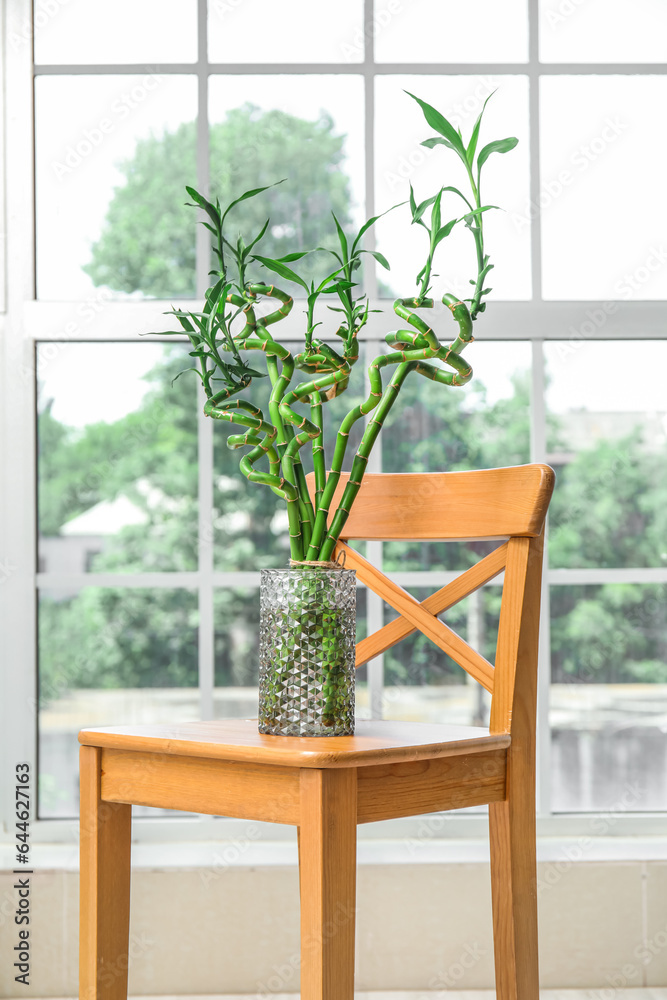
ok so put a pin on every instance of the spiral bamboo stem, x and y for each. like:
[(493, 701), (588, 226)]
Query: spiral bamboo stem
[(288, 430)]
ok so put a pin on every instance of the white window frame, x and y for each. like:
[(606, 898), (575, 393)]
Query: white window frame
[(25, 321)]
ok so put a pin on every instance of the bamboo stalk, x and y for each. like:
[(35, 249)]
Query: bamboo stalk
[(319, 461), (361, 459)]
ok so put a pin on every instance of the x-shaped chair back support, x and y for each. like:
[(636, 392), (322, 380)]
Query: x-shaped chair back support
[(506, 504)]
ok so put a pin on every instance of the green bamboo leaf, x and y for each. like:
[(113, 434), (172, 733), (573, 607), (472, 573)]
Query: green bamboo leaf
[(371, 222), (202, 202), (184, 320), (297, 255), (437, 141), (380, 258), (282, 269), (195, 317), (196, 196), (338, 286), (445, 231), (185, 315), (184, 370), (342, 238), (470, 217), (435, 214), (213, 294), (459, 193), (413, 203), (333, 254), (440, 124), (420, 209), (472, 145), (497, 146), (322, 285), (250, 194), (256, 239)]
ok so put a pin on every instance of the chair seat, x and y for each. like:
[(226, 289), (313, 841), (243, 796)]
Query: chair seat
[(376, 742)]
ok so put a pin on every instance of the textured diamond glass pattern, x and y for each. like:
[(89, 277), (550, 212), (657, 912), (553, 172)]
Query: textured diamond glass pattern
[(306, 652)]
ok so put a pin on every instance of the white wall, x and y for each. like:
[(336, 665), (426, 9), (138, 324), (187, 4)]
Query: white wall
[(198, 930)]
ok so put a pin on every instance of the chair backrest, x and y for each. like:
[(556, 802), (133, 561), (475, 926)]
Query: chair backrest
[(508, 504)]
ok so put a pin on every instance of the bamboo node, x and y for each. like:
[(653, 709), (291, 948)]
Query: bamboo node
[(320, 564)]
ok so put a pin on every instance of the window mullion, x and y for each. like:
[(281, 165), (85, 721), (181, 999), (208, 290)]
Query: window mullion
[(205, 534), (534, 134), (374, 604), (203, 168), (18, 705), (538, 451), (206, 646), (370, 266)]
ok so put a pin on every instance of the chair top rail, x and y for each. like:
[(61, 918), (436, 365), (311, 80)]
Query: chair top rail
[(486, 503)]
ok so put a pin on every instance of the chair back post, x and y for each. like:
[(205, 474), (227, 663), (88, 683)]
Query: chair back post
[(514, 699)]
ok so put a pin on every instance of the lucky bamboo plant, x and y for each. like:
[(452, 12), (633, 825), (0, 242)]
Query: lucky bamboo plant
[(276, 435)]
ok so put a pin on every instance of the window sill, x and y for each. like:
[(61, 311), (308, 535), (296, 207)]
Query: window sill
[(240, 853)]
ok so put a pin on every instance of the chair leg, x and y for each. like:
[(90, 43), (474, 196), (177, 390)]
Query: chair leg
[(327, 867), (514, 897), (105, 832)]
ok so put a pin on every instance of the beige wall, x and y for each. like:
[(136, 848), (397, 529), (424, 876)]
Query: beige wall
[(424, 926)]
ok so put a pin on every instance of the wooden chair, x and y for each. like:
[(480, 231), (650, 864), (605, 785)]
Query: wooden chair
[(386, 770)]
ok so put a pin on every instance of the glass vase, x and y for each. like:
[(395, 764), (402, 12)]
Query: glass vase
[(307, 639)]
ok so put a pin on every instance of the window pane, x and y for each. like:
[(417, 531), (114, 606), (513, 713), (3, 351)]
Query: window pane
[(236, 652), (609, 697), (109, 657), (290, 32), (602, 215), (308, 130), (601, 31), (113, 156), (115, 31), (250, 521), (608, 444), (433, 30), (437, 428), (400, 129), (423, 684), (117, 458)]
